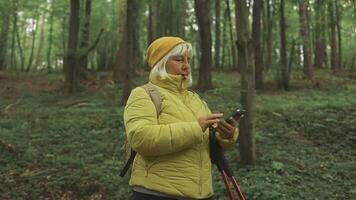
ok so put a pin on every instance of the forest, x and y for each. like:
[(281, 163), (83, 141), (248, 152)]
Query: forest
[(67, 68)]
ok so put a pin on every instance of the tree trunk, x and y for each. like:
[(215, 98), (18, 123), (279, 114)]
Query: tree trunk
[(217, 34), (284, 81), (71, 58), (246, 63), (333, 43), (125, 54), (320, 36), (304, 31), (41, 41), (50, 39), (256, 37), (233, 50), (22, 56), (34, 33), (120, 64), (3, 39), (14, 28), (269, 37), (202, 8), (154, 16), (84, 44), (339, 38)]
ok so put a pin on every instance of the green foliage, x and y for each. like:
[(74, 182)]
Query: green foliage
[(71, 146)]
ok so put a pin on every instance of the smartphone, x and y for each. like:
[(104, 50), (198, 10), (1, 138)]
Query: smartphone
[(239, 113)]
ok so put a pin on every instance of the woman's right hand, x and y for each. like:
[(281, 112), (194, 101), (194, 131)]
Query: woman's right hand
[(208, 120)]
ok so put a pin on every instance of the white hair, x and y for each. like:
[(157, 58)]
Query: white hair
[(159, 70)]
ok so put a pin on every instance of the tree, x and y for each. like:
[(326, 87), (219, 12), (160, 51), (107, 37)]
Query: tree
[(229, 21), (124, 58), (320, 41), (334, 62), (246, 63), (154, 16), (5, 19), (217, 34), (84, 43), (256, 37), (269, 38), (71, 58), (284, 81), (202, 8), (304, 31)]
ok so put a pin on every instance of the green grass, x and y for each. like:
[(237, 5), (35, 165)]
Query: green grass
[(70, 147)]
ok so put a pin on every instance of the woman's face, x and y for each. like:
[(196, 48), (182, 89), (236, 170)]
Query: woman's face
[(179, 65)]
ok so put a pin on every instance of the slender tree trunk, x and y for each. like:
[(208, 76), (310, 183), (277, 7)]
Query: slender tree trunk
[(120, 64), (304, 31), (125, 55), (34, 33), (284, 82), (22, 57), (154, 16), (246, 62), (320, 36), (339, 38), (3, 39), (256, 36), (84, 44), (217, 34), (41, 41), (333, 43), (71, 59), (233, 50), (202, 8), (50, 39), (269, 38), (14, 28)]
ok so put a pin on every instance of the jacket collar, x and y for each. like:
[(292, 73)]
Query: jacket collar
[(175, 83)]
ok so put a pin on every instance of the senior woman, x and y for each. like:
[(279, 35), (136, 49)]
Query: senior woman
[(172, 147)]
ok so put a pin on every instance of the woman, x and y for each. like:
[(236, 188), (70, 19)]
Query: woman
[(172, 148)]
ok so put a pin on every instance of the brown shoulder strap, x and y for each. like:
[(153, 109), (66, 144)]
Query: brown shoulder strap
[(154, 95)]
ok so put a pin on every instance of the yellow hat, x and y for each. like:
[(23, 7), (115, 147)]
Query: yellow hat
[(160, 47)]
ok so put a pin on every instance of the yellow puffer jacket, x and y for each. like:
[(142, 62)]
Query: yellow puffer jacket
[(172, 150)]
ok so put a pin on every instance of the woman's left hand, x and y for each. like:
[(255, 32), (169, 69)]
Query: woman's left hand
[(226, 129)]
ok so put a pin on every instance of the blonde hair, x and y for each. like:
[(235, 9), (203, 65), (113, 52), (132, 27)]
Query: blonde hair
[(159, 70)]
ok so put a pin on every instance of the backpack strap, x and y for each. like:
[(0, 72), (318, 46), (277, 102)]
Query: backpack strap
[(154, 95), (156, 99)]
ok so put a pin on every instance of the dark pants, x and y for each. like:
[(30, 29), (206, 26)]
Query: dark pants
[(142, 196)]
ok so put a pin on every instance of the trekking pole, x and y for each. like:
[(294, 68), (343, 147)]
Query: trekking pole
[(218, 158)]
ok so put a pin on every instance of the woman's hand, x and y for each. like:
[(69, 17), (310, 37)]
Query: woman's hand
[(227, 129), (208, 120)]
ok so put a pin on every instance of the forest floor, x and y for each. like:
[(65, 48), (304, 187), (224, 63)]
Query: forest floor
[(59, 146)]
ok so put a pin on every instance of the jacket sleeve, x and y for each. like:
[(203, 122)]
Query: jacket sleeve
[(227, 143), (149, 138)]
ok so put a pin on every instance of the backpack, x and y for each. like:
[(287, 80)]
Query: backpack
[(156, 99)]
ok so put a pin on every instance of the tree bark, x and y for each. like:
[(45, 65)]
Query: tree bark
[(41, 41), (50, 38), (202, 8), (269, 37), (3, 39), (34, 33), (333, 43), (284, 81), (84, 44), (304, 31), (154, 16), (339, 38), (232, 46), (256, 37), (22, 56), (320, 28), (217, 34), (246, 63), (71, 58)]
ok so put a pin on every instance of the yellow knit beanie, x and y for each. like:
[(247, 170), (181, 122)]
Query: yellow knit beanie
[(160, 47)]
